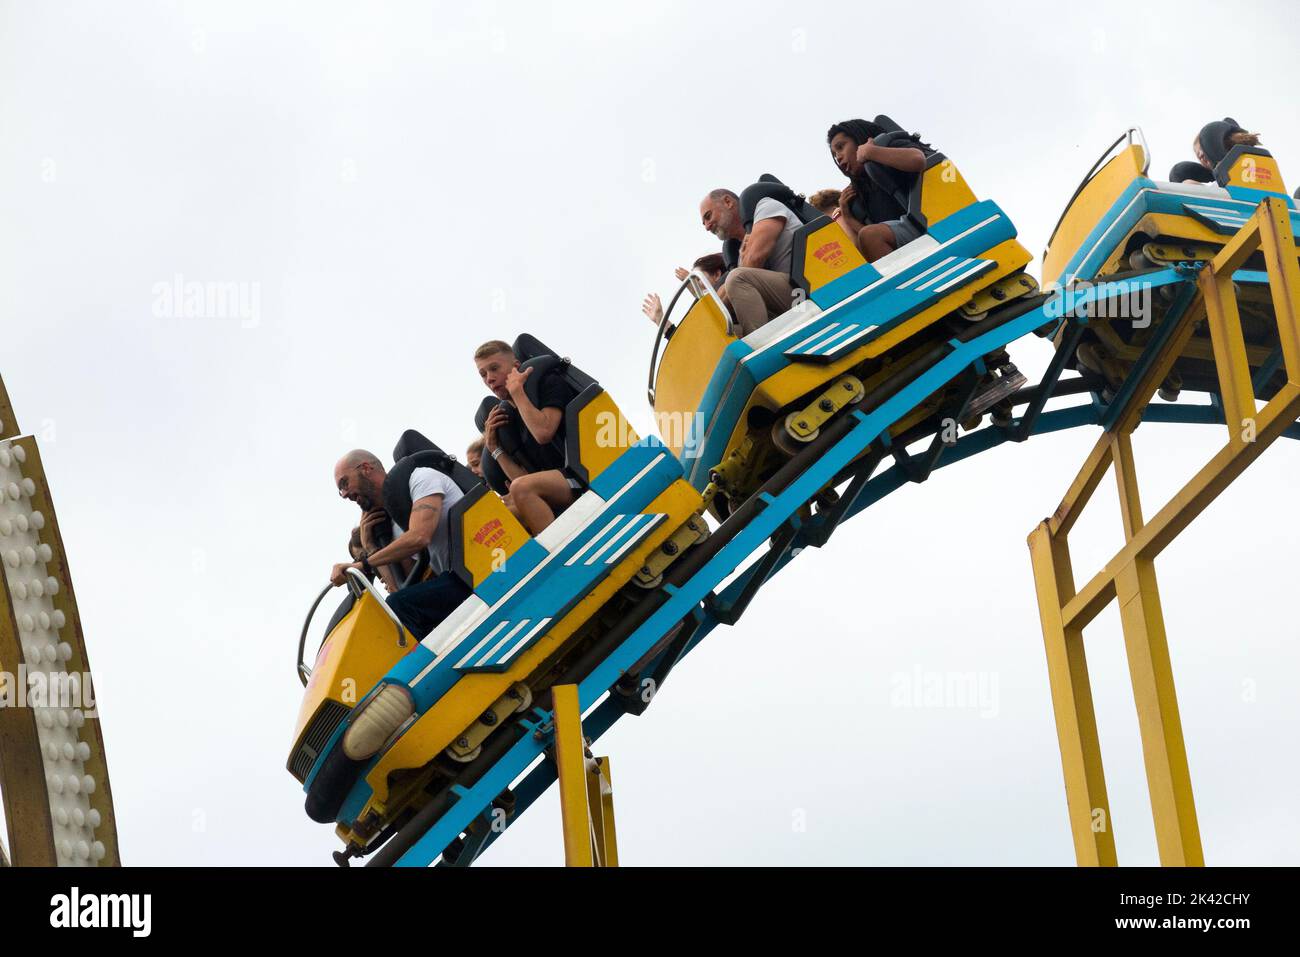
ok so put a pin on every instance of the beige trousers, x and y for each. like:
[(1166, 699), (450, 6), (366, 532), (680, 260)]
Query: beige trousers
[(757, 295)]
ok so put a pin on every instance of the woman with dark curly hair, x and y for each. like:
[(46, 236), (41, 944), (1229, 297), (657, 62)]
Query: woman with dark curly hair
[(871, 215)]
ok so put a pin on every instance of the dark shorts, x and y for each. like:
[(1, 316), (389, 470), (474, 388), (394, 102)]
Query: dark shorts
[(904, 231), (423, 606)]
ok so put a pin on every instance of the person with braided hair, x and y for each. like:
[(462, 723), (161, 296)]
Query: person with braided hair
[(870, 214)]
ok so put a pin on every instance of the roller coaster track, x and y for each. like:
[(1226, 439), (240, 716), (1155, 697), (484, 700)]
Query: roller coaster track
[(775, 525), (53, 772)]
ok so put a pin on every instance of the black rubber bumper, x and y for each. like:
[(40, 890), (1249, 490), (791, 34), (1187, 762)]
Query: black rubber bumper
[(331, 785)]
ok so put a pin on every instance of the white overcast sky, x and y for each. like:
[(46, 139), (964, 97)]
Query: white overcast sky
[(401, 181)]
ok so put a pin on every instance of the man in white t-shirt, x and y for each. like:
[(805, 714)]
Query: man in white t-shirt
[(771, 240), (759, 288), (426, 483), (421, 607)]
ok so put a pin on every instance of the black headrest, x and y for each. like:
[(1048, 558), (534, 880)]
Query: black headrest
[(890, 137), (414, 451), (1189, 170), (484, 410), (887, 124), (543, 366), (533, 354), (410, 443), (529, 347), (508, 439), (730, 254), (1213, 138), (894, 182), (769, 187)]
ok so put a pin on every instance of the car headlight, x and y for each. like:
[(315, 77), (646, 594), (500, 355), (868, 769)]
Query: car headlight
[(376, 721)]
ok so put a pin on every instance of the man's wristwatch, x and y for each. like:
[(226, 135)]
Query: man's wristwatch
[(366, 568), (496, 453)]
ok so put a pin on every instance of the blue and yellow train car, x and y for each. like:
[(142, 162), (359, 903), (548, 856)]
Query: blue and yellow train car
[(735, 407), (1122, 223), (388, 723)]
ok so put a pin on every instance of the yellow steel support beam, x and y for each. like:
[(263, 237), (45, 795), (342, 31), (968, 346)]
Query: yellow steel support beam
[(1281, 411), (1195, 496), (1169, 780), (1076, 723), (1130, 502), (1080, 491), (1278, 246), (586, 790), (1239, 248), (1099, 592), (1130, 576), (608, 837), (570, 762), (1230, 360), (600, 807)]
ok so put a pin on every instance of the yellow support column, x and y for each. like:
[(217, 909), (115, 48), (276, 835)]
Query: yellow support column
[(1230, 359), (1130, 577), (1278, 245), (571, 772), (586, 789), (607, 837), (1076, 722), (600, 808), (1169, 779)]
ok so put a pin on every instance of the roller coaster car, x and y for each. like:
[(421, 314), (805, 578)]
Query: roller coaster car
[(734, 409), (1121, 223), (389, 724)]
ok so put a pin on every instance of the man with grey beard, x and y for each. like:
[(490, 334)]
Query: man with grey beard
[(759, 289)]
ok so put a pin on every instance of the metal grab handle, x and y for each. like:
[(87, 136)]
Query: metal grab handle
[(358, 584), (303, 671), (700, 287), (1127, 135)]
